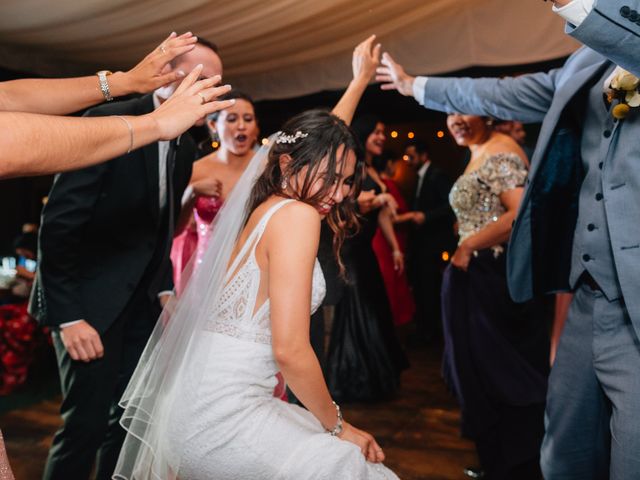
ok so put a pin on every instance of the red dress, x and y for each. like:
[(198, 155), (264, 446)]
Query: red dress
[(397, 285)]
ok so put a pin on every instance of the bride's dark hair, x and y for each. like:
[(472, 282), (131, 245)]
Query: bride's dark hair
[(325, 133)]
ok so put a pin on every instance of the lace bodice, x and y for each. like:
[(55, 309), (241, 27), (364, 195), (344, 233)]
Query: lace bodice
[(235, 313), (475, 197)]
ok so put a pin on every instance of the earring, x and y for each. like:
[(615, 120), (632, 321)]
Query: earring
[(284, 183)]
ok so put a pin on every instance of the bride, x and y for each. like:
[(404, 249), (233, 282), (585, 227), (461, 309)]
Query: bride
[(200, 404)]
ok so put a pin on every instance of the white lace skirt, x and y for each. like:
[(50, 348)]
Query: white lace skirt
[(226, 424)]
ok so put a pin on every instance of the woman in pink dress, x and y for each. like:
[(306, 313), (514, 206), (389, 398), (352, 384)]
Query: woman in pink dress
[(396, 283), (236, 130)]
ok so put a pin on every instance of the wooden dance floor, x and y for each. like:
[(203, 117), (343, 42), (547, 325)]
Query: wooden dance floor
[(418, 430)]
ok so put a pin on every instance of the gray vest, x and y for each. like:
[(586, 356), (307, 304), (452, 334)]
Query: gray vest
[(592, 243)]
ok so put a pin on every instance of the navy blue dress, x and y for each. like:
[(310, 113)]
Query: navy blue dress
[(496, 356)]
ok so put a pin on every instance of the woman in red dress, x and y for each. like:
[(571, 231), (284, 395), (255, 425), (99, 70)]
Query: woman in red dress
[(396, 284)]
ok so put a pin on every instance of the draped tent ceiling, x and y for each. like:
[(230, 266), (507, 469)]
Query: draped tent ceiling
[(280, 48)]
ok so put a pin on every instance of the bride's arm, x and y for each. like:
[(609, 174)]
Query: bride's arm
[(291, 244), (366, 58)]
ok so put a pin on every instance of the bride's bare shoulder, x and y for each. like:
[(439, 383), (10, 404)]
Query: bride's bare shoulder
[(298, 215)]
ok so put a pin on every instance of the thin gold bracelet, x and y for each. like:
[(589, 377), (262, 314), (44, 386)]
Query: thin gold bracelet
[(130, 131)]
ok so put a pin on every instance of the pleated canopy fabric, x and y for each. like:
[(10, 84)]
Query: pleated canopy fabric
[(280, 48)]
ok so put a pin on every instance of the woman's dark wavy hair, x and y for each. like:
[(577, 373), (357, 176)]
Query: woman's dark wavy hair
[(362, 127), (233, 94), (325, 134)]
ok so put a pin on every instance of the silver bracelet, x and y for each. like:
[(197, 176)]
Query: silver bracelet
[(104, 84), (130, 131), (337, 430)]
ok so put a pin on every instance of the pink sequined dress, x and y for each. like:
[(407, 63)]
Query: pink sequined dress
[(194, 239)]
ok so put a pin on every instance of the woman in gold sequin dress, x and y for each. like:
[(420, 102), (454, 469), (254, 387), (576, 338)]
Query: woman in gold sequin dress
[(496, 352)]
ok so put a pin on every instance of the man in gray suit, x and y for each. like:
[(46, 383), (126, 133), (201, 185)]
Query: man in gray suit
[(577, 229)]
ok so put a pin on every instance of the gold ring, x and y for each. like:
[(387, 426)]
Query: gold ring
[(201, 98)]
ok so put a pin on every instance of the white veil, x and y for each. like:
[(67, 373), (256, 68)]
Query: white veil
[(170, 361)]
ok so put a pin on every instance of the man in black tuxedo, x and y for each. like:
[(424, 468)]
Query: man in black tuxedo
[(104, 274), (433, 236)]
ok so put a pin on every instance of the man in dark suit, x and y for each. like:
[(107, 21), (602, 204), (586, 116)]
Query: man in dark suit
[(432, 237), (104, 275)]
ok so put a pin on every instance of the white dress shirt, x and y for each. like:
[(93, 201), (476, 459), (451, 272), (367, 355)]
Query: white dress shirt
[(576, 11), (163, 149), (421, 173)]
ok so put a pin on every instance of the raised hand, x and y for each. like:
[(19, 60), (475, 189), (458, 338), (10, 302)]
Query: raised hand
[(366, 57), (193, 100), (393, 77), (154, 70)]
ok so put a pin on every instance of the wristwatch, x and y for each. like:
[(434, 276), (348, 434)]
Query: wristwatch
[(104, 85)]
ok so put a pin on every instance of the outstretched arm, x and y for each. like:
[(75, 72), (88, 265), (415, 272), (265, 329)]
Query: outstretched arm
[(68, 143), (366, 58), (526, 98), (67, 95), (291, 242)]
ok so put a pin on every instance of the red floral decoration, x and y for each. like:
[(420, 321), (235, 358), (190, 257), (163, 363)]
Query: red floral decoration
[(19, 336)]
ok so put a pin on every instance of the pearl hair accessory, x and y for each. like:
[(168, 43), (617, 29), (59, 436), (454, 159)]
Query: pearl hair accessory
[(282, 137)]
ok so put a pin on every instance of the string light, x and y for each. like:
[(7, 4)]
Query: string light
[(394, 134), (445, 256), (440, 134), (410, 135), (405, 158)]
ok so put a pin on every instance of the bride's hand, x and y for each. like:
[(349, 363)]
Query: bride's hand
[(368, 445), (393, 76), (366, 58)]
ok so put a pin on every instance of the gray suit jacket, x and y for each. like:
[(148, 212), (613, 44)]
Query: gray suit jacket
[(540, 250)]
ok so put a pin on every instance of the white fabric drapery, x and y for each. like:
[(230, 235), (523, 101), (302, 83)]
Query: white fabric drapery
[(280, 48)]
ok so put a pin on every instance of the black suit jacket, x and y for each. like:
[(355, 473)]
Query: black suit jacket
[(436, 234), (102, 229)]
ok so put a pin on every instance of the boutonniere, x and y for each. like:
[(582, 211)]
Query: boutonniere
[(623, 88)]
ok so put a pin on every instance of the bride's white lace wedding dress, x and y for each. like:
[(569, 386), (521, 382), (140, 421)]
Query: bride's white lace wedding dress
[(226, 424)]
